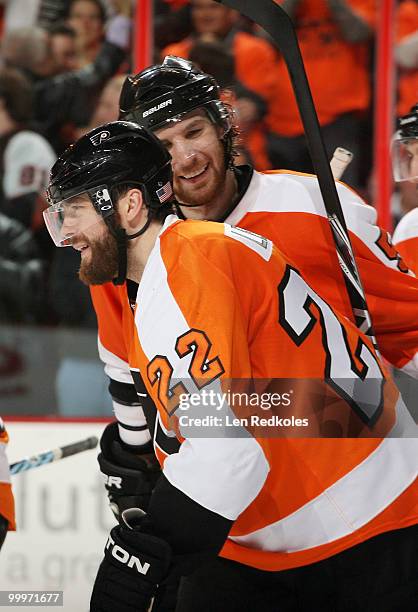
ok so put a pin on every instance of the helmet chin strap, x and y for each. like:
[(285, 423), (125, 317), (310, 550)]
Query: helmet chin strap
[(188, 205), (120, 237), (121, 240), (141, 231)]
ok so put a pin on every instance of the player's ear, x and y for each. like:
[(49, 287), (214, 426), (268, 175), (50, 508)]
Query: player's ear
[(130, 208), (133, 205), (135, 200)]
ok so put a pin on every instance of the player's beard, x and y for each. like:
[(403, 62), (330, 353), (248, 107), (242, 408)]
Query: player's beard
[(103, 262)]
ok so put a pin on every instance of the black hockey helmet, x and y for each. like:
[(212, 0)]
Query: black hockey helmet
[(113, 154), (166, 92), (408, 124), (406, 135)]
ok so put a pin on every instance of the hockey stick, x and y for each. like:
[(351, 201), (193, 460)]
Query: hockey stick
[(53, 455), (270, 16)]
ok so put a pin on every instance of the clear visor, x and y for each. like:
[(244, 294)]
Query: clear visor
[(405, 159), (69, 218)]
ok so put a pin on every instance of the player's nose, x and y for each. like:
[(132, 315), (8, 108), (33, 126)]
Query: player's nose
[(183, 155)]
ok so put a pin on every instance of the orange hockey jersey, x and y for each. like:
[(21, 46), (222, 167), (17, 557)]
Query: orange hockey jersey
[(405, 238), (288, 209), (219, 308), (407, 78), (6, 495)]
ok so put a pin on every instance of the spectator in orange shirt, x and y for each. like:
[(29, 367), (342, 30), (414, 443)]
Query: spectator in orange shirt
[(333, 37), (406, 53), (255, 59)]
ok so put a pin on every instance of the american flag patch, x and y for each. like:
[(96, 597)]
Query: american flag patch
[(165, 192)]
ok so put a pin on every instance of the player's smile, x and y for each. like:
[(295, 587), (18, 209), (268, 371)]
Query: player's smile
[(81, 248), (83, 251), (196, 176)]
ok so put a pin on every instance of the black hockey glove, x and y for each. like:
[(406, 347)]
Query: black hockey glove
[(129, 477), (133, 566)]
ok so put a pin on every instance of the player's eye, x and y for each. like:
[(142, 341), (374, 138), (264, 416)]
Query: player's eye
[(73, 210), (194, 132)]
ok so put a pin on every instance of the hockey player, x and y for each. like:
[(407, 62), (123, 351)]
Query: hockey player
[(214, 308), (182, 106), (405, 148), (405, 237), (405, 168), (7, 515)]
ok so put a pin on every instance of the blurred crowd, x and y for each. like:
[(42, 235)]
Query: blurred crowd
[(63, 63)]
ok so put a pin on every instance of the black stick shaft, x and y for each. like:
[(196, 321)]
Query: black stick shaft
[(78, 447)]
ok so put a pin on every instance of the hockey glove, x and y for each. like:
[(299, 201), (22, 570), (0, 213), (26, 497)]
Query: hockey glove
[(133, 566), (129, 477)]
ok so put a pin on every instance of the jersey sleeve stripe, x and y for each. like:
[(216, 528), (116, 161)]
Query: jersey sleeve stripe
[(115, 368)]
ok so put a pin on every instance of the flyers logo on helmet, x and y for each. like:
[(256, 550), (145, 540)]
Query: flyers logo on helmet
[(97, 139)]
